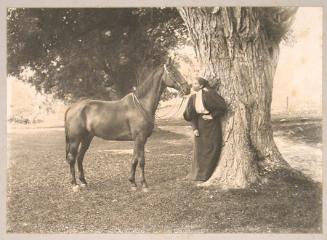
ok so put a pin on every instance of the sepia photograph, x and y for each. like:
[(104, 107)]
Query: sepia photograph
[(164, 120)]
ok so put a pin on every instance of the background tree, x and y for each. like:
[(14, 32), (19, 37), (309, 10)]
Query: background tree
[(84, 52), (238, 49)]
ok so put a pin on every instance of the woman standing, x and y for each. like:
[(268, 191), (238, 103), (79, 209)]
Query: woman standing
[(204, 110)]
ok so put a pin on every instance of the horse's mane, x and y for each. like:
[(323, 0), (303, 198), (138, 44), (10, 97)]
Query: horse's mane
[(147, 84)]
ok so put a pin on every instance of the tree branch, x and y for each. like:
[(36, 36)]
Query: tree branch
[(277, 21)]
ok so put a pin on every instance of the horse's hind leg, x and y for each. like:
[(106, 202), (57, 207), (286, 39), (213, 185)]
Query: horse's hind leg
[(133, 169), (71, 159), (85, 143)]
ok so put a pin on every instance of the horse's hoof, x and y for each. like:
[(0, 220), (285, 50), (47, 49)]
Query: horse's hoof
[(201, 184), (83, 185), (133, 188), (75, 188), (145, 190)]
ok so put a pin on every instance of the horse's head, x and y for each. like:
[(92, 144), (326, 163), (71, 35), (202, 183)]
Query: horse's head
[(174, 79)]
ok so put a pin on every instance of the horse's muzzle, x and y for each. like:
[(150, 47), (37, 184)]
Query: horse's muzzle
[(186, 89)]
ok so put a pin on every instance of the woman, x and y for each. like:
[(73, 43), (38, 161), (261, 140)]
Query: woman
[(204, 110)]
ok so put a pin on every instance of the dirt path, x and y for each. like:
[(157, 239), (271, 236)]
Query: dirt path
[(301, 156), (304, 157)]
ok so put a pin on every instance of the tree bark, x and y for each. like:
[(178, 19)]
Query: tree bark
[(236, 52)]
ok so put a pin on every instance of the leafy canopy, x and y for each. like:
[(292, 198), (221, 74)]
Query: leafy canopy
[(82, 52)]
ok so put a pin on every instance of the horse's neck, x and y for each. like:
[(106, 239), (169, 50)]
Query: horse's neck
[(151, 99)]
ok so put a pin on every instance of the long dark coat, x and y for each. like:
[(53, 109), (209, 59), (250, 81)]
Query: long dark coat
[(207, 146)]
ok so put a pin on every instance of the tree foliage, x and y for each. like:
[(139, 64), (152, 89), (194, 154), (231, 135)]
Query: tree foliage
[(97, 52), (84, 52)]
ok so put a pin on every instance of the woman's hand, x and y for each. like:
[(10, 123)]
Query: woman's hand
[(207, 117), (196, 132)]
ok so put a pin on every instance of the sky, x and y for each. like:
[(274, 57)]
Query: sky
[(299, 70)]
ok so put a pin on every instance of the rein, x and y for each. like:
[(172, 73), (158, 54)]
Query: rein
[(139, 105), (175, 112), (180, 85)]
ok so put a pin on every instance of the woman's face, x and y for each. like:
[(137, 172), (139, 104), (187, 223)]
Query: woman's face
[(196, 86)]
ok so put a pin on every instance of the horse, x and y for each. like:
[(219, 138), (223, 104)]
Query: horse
[(128, 119)]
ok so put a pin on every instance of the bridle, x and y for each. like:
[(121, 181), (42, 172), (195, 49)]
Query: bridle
[(180, 85), (139, 105)]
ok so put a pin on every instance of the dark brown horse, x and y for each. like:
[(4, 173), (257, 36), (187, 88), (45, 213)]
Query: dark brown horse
[(129, 119)]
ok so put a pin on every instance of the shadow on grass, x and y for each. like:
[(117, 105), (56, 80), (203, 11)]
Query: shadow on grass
[(159, 133), (40, 199)]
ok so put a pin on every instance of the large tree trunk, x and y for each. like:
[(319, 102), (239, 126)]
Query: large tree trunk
[(236, 51)]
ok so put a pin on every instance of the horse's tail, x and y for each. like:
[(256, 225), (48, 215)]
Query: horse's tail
[(67, 135)]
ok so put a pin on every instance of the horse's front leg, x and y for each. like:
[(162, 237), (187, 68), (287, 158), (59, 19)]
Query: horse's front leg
[(138, 157), (141, 159), (134, 163), (142, 165)]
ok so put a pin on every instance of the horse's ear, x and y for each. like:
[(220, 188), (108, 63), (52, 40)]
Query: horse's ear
[(173, 57), (169, 61)]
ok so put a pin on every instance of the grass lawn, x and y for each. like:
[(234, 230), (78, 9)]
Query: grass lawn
[(40, 198)]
